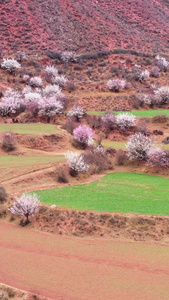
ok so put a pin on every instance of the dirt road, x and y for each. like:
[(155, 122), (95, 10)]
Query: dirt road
[(82, 269)]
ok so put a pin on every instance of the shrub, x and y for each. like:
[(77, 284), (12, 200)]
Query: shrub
[(94, 121), (36, 81), (3, 195), (77, 112), (10, 64), (125, 121), (51, 90), (76, 163), (71, 86), (121, 157), (116, 85), (51, 71), (142, 126), (138, 146), (70, 125), (98, 159), (144, 99), (160, 119), (163, 94), (67, 56), (109, 121), (158, 158), (155, 72), (83, 135), (26, 205), (8, 142), (162, 63), (62, 175), (20, 56), (144, 75), (59, 80)]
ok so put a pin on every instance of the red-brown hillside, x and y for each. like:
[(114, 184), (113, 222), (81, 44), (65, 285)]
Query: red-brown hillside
[(84, 25)]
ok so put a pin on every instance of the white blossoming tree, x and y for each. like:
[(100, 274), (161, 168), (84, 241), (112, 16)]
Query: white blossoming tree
[(76, 163), (77, 112), (138, 146), (125, 121), (26, 205)]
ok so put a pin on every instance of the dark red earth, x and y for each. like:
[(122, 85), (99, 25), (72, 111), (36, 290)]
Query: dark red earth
[(84, 25)]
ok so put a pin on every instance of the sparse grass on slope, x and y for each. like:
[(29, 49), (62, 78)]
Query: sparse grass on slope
[(29, 128), (22, 161), (115, 192)]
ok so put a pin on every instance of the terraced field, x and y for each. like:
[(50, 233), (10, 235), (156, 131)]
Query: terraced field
[(29, 128), (138, 113), (22, 161), (115, 192)]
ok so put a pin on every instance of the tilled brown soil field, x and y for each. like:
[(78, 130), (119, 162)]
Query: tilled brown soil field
[(82, 269)]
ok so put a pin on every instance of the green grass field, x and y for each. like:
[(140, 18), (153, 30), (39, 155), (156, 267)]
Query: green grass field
[(22, 161), (122, 145), (115, 192), (29, 128), (137, 113)]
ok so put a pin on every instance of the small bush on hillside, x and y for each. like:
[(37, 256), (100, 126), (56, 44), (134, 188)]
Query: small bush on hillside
[(142, 126), (138, 146), (98, 159), (94, 121), (8, 142), (121, 157), (20, 55), (145, 99), (51, 70), (60, 80), (116, 85), (71, 86), (160, 119), (10, 64), (70, 125), (36, 81), (162, 63), (163, 94), (67, 56), (155, 72), (51, 90), (144, 75), (62, 175), (109, 121), (3, 195), (158, 158)]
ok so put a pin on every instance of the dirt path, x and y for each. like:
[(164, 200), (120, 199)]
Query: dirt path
[(82, 269)]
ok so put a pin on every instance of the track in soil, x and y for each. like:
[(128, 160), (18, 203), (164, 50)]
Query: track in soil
[(65, 268)]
